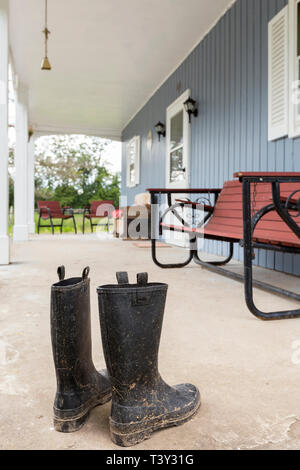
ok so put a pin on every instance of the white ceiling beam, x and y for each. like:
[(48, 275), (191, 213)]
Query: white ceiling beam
[(111, 134)]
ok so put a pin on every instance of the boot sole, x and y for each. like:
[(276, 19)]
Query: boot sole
[(74, 420), (124, 436)]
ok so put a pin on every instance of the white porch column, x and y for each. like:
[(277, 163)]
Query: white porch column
[(4, 238), (30, 186), (21, 175)]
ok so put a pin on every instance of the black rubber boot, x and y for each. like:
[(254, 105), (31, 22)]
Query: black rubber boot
[(79, 386), (131, 317)]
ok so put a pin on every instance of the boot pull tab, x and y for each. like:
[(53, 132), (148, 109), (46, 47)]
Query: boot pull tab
[(122, 278), (85, 273), (61, 272), (142, 279), (141, 297)]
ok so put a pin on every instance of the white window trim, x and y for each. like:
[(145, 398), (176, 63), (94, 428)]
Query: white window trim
[(187, 135), (137, 141)]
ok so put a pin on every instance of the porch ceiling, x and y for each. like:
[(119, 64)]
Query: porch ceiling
[(108, 56)]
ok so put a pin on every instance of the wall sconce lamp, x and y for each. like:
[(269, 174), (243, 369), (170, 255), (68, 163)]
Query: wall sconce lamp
[(190, 106), (160, 129)]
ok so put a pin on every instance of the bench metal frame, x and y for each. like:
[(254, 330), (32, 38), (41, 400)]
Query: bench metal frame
[(249, 224)]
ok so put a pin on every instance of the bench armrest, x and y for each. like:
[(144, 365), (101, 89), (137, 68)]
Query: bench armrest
[(292, 200), (68, 208), (195, 205), (43, 210)]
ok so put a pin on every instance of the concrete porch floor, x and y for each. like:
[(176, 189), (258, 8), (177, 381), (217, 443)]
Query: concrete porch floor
[(249, 382)]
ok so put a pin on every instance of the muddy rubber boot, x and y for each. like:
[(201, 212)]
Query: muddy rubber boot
[(79, 386), (131, 317)]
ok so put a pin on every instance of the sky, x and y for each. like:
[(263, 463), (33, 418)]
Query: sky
[(112, 155)]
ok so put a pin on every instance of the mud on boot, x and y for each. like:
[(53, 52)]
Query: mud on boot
[(131, 317), (79, 386)]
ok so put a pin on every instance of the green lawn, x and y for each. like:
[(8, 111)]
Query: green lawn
[(68, 225)]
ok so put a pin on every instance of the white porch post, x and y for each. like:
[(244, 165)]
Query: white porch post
[(30, 183), (4, 238), (21, 164)]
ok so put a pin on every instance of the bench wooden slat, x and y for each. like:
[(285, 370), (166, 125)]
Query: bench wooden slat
[(54, 207), (262, 236)]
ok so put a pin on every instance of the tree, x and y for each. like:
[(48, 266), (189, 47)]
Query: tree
[(11, 191), (71, 169), (107, 188), (10, 175)]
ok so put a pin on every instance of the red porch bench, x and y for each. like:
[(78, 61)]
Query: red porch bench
[(98, 210), (257, 210), (49, 210)]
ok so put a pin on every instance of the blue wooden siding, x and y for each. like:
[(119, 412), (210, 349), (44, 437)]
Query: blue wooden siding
[(228, 76)]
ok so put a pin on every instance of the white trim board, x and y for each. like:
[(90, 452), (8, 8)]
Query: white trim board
[(110, 134), (178, 104)]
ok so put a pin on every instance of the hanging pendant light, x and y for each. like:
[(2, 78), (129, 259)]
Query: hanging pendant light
[(46, 63)]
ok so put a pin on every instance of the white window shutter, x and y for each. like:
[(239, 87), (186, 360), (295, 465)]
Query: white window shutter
[(128, 183), (278, 75), (137, 160), (133, 155)]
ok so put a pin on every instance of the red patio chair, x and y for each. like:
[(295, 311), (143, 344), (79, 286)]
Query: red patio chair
[(52, 210), (98, 210)]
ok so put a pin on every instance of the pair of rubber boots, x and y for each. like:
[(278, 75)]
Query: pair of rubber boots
[(131, 317)]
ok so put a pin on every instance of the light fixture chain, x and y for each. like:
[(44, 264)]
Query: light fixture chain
[(46, 64)]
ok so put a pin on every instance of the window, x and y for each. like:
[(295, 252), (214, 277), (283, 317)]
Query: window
[(177, 144), (133, 162), (176, 157), (284, 72)]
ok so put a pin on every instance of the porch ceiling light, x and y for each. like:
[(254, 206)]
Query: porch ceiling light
[(160, 129), (190, 106), (45, 63)]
